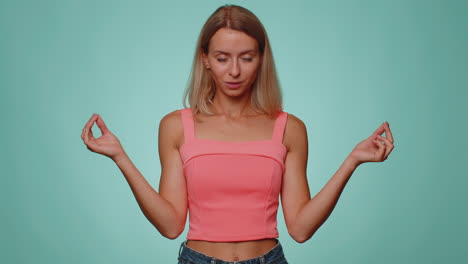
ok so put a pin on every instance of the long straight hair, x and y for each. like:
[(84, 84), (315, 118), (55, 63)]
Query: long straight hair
[(266, 94)]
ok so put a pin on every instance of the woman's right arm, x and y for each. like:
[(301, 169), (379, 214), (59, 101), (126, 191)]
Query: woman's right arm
[(166, 210)]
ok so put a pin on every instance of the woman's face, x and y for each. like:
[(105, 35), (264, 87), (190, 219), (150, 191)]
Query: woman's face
[(233, 59)]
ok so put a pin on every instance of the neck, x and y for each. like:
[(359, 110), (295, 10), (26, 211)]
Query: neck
[(232, 108)]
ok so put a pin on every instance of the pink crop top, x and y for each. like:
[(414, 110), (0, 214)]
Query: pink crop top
[(232, 187)]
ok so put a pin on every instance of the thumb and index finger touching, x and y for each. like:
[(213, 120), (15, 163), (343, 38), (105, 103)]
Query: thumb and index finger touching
[(102, 125), (87, 133), (381, 129)]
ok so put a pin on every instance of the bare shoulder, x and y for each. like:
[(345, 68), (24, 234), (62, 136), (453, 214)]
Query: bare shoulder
[(171, 128), (295, 132), (172, 118), (294, 122)]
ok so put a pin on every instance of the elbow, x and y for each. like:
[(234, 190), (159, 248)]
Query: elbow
[(169, 228), (300, 240), (300, 236), (174, 233), (171, 236), (296, 236)]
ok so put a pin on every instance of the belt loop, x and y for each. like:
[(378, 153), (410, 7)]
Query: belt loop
[(180, 248), (262, 260), (213, 261)]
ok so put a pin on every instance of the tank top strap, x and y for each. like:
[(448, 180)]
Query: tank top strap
[(187, 122), (280, 125)]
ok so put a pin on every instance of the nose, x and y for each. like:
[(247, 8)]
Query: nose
[(234, 71)]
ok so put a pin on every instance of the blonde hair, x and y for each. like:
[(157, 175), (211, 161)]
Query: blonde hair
[(266, 94)]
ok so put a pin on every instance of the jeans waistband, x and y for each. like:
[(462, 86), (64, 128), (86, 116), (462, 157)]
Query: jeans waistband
[(193, 256)]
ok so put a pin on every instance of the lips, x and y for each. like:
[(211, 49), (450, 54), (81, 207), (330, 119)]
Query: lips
[(233, 85)]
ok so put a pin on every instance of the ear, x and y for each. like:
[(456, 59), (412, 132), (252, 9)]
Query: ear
[(205, 61)]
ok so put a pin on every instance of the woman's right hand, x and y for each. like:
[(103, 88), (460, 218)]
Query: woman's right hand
[(107, 144)]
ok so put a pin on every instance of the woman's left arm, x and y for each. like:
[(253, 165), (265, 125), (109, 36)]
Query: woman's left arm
[(304, 215)]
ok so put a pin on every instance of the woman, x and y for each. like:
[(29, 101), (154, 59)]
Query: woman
[(232, 152)]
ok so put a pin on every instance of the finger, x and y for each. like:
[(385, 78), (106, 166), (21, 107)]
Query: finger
[(379, 131), (388, 133), (88, 136), (386, 140), (88, 133), (381, 150), (85, 127), (89, 123), (102, 125), (388, 146), (83, 132)]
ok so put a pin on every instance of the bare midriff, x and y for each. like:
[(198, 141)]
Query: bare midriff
[(233, 251)]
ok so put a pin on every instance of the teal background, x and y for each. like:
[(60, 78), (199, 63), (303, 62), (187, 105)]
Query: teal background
[(345, 67)]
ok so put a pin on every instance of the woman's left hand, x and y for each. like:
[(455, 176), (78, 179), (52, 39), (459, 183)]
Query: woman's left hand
[(375, 148)]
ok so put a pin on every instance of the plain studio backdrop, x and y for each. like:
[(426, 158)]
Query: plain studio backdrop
[(345, 67)]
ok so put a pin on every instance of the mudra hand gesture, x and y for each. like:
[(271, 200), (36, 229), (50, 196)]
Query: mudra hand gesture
[(107, 144), (375, 148)]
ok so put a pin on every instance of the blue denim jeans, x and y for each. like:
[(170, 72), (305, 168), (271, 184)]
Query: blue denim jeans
[(190, 256)]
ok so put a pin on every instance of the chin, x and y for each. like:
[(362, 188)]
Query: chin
[(236, 92)]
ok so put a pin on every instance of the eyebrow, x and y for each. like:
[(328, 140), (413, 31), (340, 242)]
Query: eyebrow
[(242, 53)]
